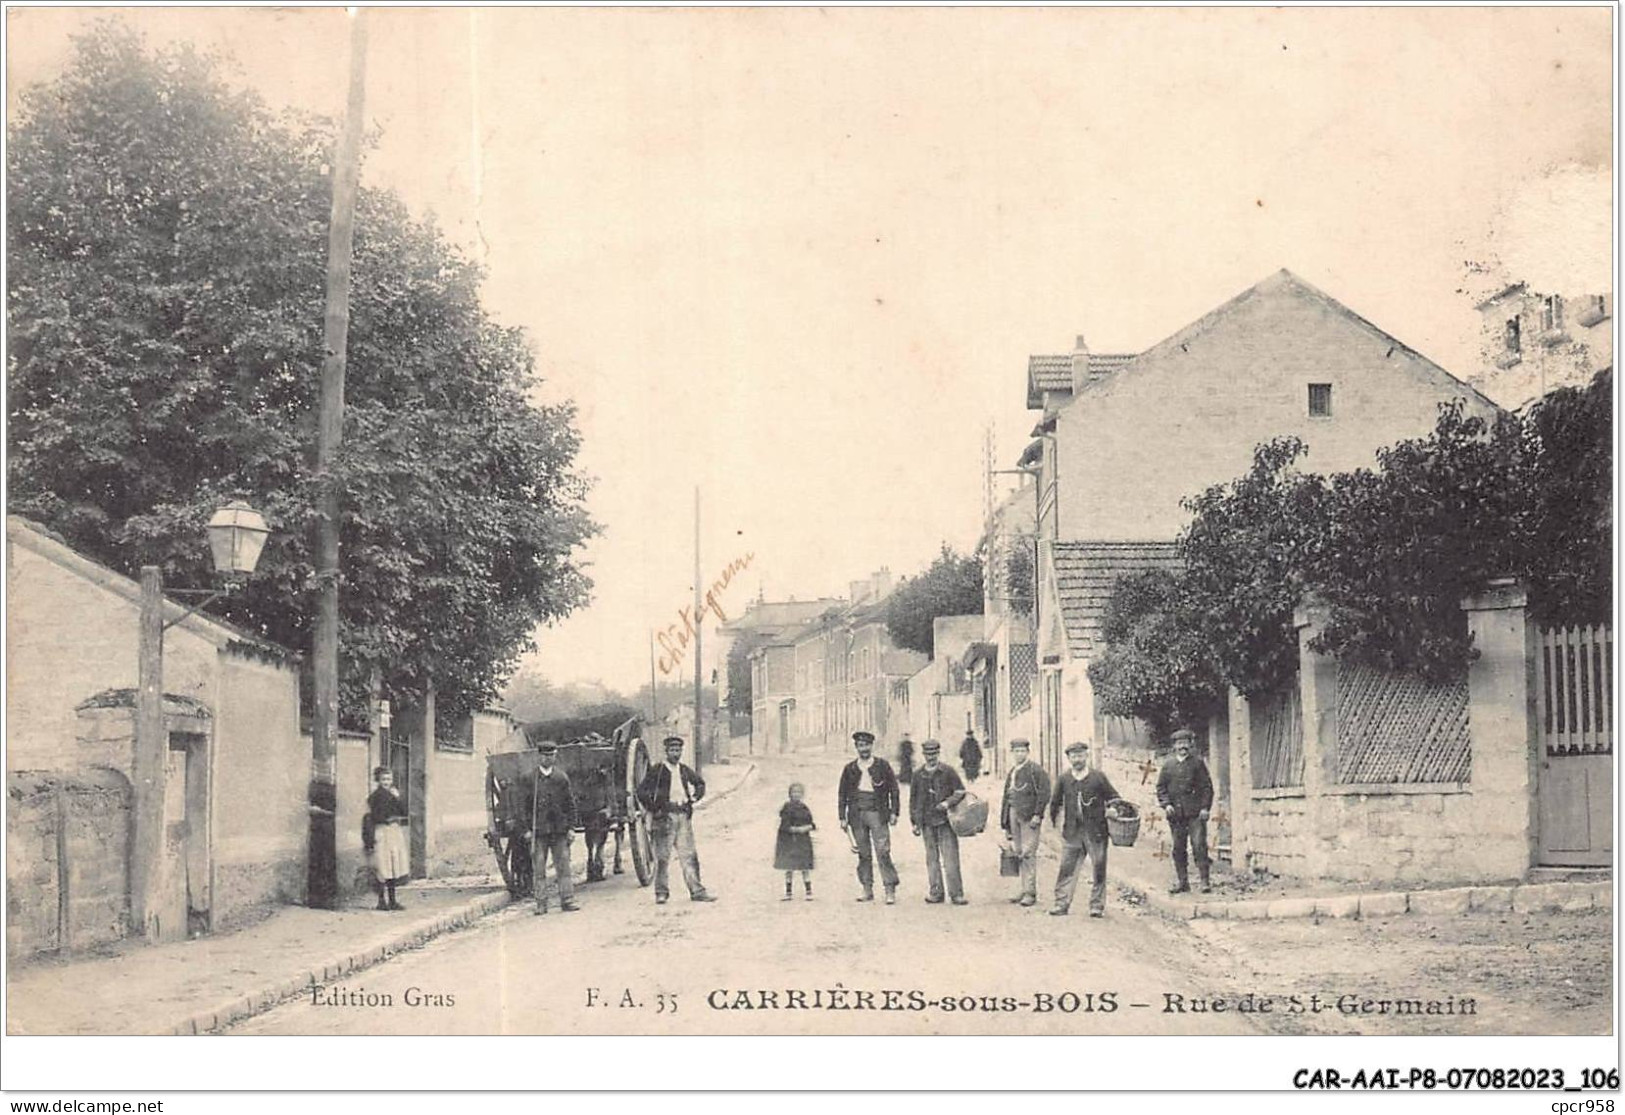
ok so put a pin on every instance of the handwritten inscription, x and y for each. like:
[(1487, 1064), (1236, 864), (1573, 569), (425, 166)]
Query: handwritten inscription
[(675, 639)]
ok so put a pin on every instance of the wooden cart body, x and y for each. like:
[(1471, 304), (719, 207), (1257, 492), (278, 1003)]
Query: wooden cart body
[(604, 776)]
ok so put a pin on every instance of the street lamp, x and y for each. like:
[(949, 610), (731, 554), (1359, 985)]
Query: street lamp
[(236, 534)]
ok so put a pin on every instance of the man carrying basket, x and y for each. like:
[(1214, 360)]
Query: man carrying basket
[(1081, 795), (935, 790)]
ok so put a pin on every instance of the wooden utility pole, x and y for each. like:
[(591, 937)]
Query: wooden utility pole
[(654, 702), (151, 759), (699, 626), (322, 881)]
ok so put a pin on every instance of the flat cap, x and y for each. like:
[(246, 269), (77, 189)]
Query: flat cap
[(1023, 744), (1076, 746), (1184, 735), (678, 740), (547, 747), (860, 735), (930, 747)]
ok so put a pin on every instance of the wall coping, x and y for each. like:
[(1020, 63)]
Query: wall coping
[(1270, 793), (1392, 789)]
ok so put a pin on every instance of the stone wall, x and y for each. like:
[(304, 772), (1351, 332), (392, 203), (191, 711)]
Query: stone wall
[(66, 835), (1481, 830), (261, 782)]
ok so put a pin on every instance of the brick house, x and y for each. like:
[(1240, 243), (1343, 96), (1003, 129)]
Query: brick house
[(1124, 438), (1533, 343), (235, 809), (841, 667)]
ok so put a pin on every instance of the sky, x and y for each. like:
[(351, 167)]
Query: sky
[(797, 258)]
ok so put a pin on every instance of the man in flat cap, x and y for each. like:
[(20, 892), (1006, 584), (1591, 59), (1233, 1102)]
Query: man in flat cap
[(553, 820), (669, 793), (1185, 792), (868, 804), (1021, 813), (935, 790), (1079, 804)]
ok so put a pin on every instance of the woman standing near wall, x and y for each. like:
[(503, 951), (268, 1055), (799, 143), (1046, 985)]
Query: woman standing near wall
[(383, 834)]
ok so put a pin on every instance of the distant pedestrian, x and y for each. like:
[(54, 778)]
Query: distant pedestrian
[(905, 760), (1185, 792), (970, 757), (1079, 804), (383, 837), (1021, 814), (669, 793), (554, 814), (794, 849), (868, 803), (935, 790)]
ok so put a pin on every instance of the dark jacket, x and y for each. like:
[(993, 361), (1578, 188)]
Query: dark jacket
[(929, 788), (655, 792), (970, 757), (1026, 792), (1083, 801), (555, 806), (1185, 786), (888, 796)]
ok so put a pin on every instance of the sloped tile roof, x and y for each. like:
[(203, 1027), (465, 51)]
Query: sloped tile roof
[(1054, 372), (1084, 575)]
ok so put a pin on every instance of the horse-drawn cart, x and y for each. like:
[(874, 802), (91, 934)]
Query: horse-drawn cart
[(604, 776)]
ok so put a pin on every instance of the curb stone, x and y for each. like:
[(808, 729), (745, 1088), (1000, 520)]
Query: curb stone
[(257, 1002), (1568, 897)]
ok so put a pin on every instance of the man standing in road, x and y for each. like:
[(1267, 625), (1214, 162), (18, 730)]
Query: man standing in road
[(1026, 792), (1185, 793), (867, 806), (554, 817), (935, 790), (1080, 804), (669, 793)]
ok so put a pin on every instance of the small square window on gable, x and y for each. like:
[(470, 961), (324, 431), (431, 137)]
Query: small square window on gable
[(1320, 400)]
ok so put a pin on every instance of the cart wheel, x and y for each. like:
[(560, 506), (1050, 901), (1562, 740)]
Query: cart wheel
[(512, 854), (637, 822)]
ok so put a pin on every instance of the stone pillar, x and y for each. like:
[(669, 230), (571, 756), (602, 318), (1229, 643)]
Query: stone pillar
[(1241, 782), (1317, 681), (1218, 761), (1501, 714), (422, 842)]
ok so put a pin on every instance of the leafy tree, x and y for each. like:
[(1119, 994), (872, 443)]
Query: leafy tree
[(1394, 551), (950, 586), (167, 246), (1242, 580), (1019, 584), (1568, 460), (1156, 665), (1391, 551), (741, 686)]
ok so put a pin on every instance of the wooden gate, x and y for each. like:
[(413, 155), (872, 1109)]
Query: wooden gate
[(1574, 693)]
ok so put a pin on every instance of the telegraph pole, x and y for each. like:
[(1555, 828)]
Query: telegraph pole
[(699, 626), (322, 881)]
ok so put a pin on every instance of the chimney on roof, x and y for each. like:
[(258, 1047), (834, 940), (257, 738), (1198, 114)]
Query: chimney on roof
[(882, 582), (1080, 364)]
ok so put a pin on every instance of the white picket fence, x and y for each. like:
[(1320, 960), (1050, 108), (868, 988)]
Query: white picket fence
[(1574, 689)]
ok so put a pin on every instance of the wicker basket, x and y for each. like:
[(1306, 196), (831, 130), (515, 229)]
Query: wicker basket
[(1122, 823)]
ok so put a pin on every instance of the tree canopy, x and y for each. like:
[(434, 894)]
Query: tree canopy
[(950, 586), (167, 246), (1391, 552)]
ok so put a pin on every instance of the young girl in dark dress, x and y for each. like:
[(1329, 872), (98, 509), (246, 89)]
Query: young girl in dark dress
[(383, 835), (794, 851)]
